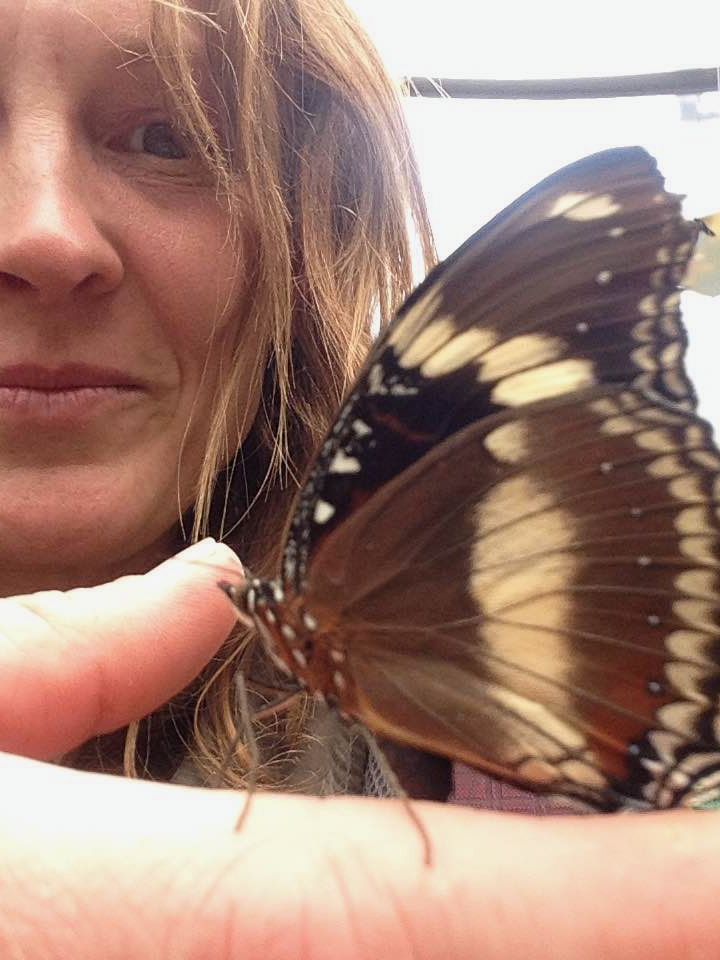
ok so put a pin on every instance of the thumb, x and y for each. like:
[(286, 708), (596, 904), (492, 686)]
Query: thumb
[(88, 661)]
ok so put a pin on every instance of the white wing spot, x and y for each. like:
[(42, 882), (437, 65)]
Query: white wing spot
[(520, 353), (681, 717), (432, 338), (360, 428), (342, 463), (459, 351), (582, 327), (299, 658), (250, 598), (510, 443), (339, 681), (616, 232), (379, 386), (324, 511), (376, 384), (565, 202), (583, 207), (402, 390), (551, 380), (648, 306), (671, 355), (578, 772), (604, 277)]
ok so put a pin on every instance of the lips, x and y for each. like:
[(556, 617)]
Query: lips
[(74, 396), (70, 376)]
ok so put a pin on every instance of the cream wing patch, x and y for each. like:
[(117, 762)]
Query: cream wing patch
[(552, 380), (511, 581), (584, 206)]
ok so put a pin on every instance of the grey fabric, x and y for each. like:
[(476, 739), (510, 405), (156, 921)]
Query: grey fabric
[(333, 759), (375, 783), (338, 759)]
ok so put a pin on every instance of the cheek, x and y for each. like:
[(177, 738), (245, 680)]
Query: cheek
[(194, 280), (216, 345), (196, 283), (198, 287), (202, 440)]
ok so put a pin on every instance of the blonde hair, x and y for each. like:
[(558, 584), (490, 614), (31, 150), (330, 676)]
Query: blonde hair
[(305, 137)]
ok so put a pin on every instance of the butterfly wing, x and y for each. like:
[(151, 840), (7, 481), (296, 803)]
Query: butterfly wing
[(514, 520), (572, 285), (548, 607)]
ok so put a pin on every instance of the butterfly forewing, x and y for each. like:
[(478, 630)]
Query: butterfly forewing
[(574, 284), (506, 551)]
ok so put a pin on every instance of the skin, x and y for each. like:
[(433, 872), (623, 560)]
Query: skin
[(133, 870), (102, 255), (106, 235)]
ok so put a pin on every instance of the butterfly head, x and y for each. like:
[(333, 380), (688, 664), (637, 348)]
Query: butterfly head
[(259, 604), (263, 604), (298, 644)]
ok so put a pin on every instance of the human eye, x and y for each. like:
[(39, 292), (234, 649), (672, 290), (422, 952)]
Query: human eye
[(157, 138)]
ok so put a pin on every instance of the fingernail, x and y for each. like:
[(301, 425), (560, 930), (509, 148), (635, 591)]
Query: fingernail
[(210, 551)]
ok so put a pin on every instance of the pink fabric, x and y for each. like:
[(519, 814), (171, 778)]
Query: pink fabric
[(474, 789)]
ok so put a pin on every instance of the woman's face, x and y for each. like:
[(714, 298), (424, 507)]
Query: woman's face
[(113, 270)]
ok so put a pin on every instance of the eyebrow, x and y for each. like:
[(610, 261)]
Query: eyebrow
[(135, 47)]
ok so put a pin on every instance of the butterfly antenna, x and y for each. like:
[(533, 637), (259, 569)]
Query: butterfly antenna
[(397, 789), (246, 733)]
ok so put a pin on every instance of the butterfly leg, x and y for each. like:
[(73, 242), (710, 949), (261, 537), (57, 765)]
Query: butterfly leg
[(397, 789)]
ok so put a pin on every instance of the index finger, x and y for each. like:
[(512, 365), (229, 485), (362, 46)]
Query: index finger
[(88, 661), (159, 870)]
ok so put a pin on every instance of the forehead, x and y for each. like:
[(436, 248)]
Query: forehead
[(66, 32)]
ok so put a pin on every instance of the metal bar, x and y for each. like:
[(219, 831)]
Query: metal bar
[(674, 83)]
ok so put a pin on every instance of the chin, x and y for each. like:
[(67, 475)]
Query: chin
[(61, 538)]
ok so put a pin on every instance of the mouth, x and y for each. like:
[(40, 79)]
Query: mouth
[(71, 376), (56, 395)]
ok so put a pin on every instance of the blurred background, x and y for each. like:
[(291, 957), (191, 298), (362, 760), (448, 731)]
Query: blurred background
[(477, 155)]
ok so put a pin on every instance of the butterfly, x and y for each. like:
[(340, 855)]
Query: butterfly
[(506, 549)]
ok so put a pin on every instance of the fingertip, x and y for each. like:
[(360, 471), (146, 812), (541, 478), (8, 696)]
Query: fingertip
[(205, 560), (211, 551)]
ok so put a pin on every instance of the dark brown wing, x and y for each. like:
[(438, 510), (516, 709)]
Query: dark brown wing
[(538, 596), (573, 285)]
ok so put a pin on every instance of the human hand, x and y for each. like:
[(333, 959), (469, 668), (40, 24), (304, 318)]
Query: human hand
[(95, 866)]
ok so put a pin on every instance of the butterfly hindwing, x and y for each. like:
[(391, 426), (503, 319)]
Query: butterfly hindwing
[(549, 606)]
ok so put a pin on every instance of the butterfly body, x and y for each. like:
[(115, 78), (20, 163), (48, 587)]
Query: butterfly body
[(506, 551), (300, 644)]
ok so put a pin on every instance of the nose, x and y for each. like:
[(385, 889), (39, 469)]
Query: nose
[(51, 244)]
